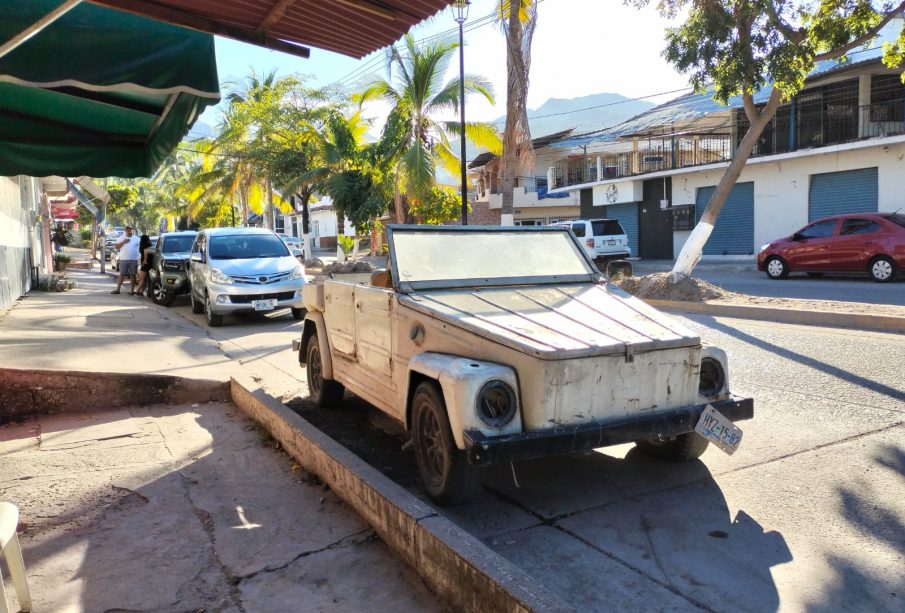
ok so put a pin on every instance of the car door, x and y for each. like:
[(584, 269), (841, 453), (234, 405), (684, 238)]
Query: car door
[(196, 268), (580, 229), (855, 244), (811, 246)]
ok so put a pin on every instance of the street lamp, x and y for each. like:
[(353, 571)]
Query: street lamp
[(460, 8)]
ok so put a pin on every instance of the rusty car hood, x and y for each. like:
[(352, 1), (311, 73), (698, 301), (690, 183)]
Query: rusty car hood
[(556, 321)]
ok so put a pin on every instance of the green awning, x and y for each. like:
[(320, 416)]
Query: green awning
[(98, 92)]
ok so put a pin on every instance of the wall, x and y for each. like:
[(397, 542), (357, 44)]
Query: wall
[(481, 215), (19, 249), (781, 187)]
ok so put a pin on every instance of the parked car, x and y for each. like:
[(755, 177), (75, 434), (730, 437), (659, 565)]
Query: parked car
[(515, 349), (857, 242), (169, 262), (243, 269), (295, 244), (601, 238)]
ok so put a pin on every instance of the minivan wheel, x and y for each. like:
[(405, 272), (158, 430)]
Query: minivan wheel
[(197, 307), (445, 472), (776, 267), (213, 319), (882, 269), (324, 392)]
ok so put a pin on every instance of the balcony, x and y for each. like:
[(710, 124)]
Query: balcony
[(811, 122)]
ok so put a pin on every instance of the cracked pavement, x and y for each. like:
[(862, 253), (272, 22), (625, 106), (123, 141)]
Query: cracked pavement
[(188, 508)]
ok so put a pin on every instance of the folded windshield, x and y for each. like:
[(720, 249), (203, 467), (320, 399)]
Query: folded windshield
[(246, 246), (487, 256)]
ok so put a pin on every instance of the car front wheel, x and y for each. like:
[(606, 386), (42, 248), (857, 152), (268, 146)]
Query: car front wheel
[(445, 472), (324, 392), (882, 269), (159, 295), (684, 447), (776, 267), (197, 307), (213, 319)]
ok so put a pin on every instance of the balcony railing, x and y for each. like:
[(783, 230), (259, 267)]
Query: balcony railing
[(815, 125)]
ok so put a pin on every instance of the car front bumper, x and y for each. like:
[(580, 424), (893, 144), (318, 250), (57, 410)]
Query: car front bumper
[(239, 297), (174, 282), (483, 450)]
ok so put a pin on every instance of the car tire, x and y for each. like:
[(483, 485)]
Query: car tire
[(159, 295), (197, 307), (213, 319), (299, 314), (776, 267), (445, 472), (324, 392), (683, 448), (882, 269)]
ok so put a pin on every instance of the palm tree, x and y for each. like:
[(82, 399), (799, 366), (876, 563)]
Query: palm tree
[(413, 139), (518, 20)]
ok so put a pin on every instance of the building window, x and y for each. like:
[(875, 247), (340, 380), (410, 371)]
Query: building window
[(887, 98), (683, 217)]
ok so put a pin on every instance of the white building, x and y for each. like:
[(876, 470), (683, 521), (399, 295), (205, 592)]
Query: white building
[(24, 234), (837, 147), (323, 224)]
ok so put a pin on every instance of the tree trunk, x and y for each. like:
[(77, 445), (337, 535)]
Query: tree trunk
[(269, 214), (510, 140), (306, 223), (398, 206), (694, 246)]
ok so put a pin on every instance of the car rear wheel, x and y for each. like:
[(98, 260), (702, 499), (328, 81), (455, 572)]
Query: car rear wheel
[(776, 267), (213, 319), (684, 447), (197, 307), (159, 295), (324, 392), (445, 472), (882, 269)]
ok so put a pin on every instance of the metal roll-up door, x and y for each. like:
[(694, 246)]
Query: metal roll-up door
[(733, 233), (849, 191), (627, 214)]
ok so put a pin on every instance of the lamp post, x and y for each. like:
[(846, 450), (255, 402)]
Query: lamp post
[(460, 7)]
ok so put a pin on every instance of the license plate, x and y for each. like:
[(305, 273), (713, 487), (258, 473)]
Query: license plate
[(611, 242), (718, 430), (264, 305)]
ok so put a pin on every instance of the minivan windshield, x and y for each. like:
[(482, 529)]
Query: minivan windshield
[(246, 246), (178, 244)]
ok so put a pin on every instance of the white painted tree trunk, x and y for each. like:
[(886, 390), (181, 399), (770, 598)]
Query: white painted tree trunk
[(309, 246), (694, 246)]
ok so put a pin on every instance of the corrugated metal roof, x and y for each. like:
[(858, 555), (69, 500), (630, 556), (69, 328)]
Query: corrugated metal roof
[(689, 107), (350, 27)]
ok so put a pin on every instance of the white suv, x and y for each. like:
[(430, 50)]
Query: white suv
[(601, 238), (243, 269)]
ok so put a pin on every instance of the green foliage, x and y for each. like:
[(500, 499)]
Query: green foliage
[(443, 205), (61, 259), (346, 243), (122, 197), (360, 195), (741, 46), (60, 236)]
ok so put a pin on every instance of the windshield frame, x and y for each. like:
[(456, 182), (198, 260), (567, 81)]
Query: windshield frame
[(592, 276)]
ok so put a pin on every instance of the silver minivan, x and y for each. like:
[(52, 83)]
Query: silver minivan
[(601, 238), (243, 269)]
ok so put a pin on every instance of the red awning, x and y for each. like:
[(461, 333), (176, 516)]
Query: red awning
[(350, 27)]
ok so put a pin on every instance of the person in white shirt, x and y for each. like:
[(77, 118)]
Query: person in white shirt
[(128, 260)]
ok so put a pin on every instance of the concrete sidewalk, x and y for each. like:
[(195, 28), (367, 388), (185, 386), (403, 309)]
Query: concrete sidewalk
[(187, 507)]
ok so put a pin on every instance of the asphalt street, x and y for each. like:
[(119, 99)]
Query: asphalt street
[(809, 514)]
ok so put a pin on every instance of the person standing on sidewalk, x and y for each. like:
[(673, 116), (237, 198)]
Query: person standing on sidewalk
[(128, 260)]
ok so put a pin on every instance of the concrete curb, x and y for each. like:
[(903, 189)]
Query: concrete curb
[(25, 394), (454, 564), (857, 321)]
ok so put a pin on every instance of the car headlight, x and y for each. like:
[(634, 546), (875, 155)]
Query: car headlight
[(713, 378), (297, 273), (496, 403), (764, 247), (218, 276)]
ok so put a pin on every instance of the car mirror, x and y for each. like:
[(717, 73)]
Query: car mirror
[(618, 269), (198, 257), (797, 236)]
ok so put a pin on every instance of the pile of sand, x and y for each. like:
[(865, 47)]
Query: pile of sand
[(671, 286)]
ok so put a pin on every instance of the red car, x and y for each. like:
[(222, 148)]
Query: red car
[(857, 242)]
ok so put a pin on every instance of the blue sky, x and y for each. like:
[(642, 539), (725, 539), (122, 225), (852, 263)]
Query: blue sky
[(581, 47)]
